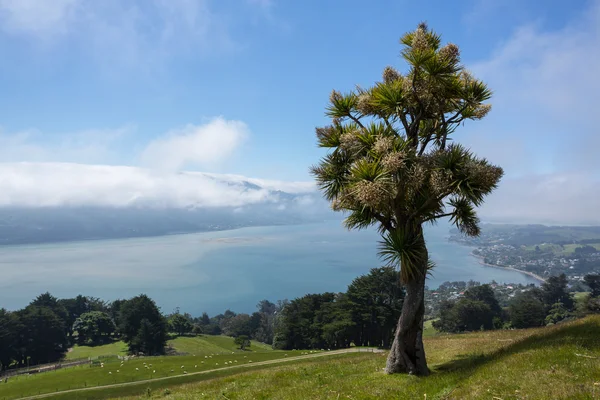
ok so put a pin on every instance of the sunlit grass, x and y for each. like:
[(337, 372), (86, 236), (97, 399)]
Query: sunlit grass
[(115, 371), (559, 362), (111, 349)]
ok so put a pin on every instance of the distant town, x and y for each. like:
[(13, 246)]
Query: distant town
[(538, 250)]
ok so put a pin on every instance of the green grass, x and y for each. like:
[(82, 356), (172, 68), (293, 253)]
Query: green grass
[(565, 250), (559, 362), (133, 370), (428, 329), (199, 345), (112, 349), (208, 344)]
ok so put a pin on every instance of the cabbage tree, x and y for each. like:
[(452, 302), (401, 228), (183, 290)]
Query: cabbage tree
[(392, 164)]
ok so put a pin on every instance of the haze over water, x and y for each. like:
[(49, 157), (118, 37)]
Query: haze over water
[(214, 271)]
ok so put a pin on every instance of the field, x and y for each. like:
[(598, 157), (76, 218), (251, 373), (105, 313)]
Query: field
[(112, 349), (199, 345), (565, 250), (558, 362), (115, 371)]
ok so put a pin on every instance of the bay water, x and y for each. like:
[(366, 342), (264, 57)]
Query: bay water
[(214, 271)]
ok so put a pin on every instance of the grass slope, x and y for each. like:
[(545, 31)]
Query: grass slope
[(199, 345), (111, 349), (115, 371), (559, 362)]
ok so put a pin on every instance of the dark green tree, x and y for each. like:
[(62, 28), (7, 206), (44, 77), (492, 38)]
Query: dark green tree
[(375, 302), (242, 341), (9, 337), (527, 310), (180, 324), (114, 310), (197, 329), (485, 294), (473, 315), (392, 165), (554, 290), (149, 337), (478, 309), (239, 326), (51, 302), (593, 282), (204, 320), (42, 337), (558, 312), (94, 327)]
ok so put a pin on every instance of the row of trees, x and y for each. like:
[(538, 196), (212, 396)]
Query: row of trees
[(549, 304), (366, 315), (43, 331)]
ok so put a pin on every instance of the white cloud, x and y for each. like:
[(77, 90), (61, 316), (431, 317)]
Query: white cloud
[(37, 17), (64, 184), (89, 146), (547, 199), (196, 145), (545, 85), (119, 33), (542, 129)]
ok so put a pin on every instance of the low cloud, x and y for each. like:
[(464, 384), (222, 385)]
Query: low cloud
[(542, 127), (115, 33), (37, 17), (195, 145), (93, 146), (63, 184), (553, 199)]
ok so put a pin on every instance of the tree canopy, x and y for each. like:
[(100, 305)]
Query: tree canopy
[(142, 326)]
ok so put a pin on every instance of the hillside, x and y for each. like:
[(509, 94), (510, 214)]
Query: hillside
[(559, 362), (199, 345)]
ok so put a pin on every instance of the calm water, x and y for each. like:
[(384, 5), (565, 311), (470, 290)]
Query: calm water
[(218, 270)]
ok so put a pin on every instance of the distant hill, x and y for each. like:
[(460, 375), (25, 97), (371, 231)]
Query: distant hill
[(149, 217)]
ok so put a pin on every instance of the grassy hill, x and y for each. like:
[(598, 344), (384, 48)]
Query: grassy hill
[(559, 362), (199, 345)]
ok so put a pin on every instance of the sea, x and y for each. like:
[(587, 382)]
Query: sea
[(215, 271)]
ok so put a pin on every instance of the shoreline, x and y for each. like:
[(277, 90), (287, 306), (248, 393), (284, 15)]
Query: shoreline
[(531, 274)]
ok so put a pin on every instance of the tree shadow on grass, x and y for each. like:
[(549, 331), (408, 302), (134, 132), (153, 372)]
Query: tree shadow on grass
[(584, 333)]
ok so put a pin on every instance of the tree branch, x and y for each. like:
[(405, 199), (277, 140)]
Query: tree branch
[(387, 123), (438, 216), (356, 120)]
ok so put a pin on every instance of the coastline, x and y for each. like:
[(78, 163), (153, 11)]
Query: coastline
[(531, 274)]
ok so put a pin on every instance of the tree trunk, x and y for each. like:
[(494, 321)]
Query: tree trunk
[(407, 354)]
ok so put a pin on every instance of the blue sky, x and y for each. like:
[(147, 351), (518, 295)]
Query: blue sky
[(238, 86)]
